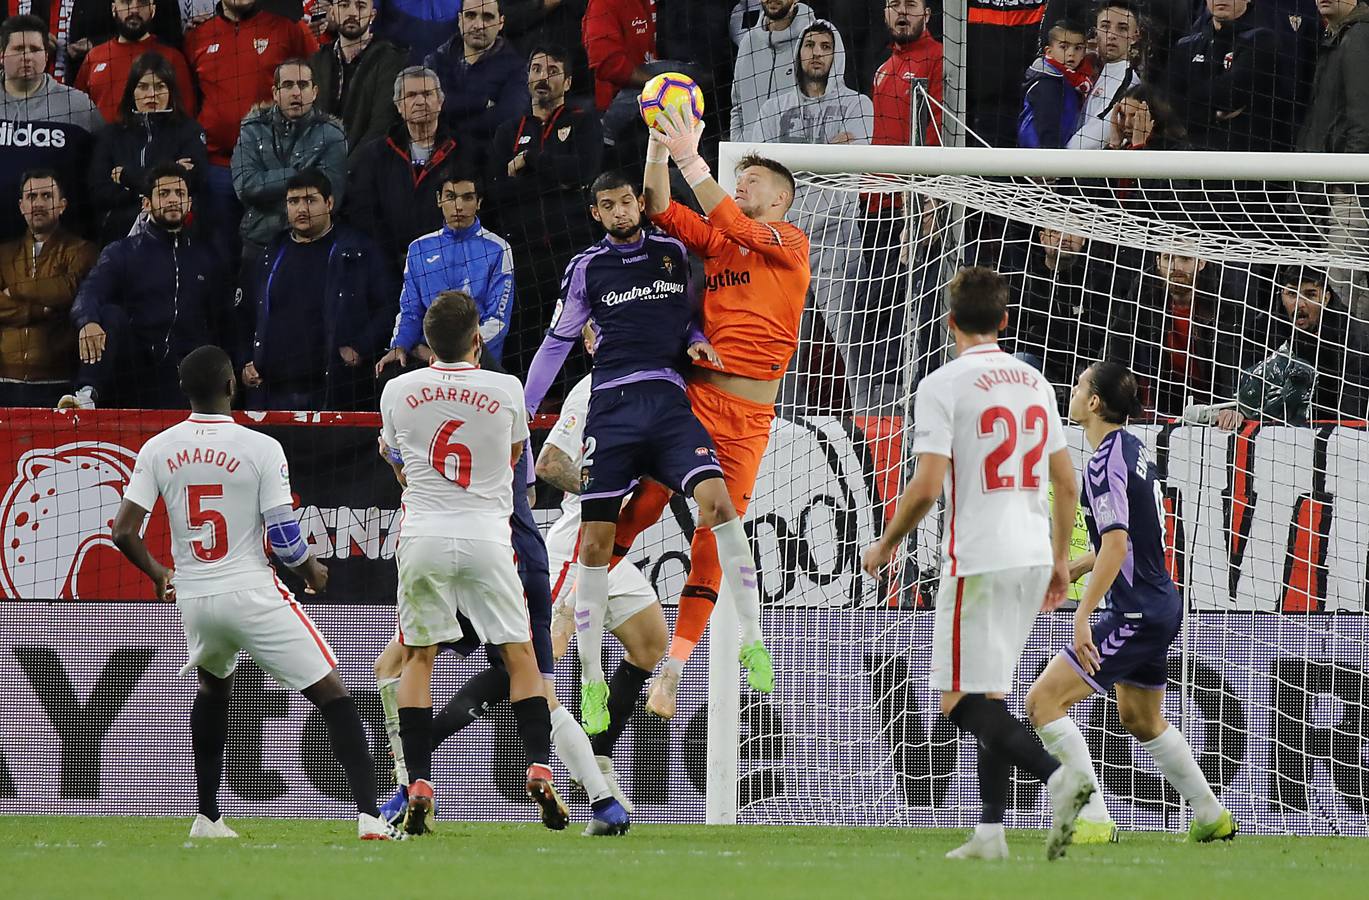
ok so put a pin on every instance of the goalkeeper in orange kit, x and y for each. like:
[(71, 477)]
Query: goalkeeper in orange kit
[(756, 268)]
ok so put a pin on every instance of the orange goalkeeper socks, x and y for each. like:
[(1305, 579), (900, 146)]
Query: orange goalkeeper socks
[(696, 605), (699, 596), (642, 510)]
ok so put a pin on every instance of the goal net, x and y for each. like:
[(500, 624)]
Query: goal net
[(1240, 305)]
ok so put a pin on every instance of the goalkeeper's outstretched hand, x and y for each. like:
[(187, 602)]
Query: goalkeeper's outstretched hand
[(680, 136)]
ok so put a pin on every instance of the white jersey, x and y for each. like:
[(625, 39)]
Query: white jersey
[(569, 437), (217, 479), (995, 417), (454, 424)]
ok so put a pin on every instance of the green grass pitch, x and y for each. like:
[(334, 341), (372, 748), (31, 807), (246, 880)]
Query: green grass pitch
[(148, 858)]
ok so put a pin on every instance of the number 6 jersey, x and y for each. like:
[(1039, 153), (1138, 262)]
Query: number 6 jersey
[(455, 424), (995, 417), (217, 479)]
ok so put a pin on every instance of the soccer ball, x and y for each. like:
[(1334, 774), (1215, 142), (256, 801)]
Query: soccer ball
[(670, 89)]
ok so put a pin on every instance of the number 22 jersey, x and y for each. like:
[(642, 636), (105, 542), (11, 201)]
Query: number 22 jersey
[(995, 417), (454, 425)]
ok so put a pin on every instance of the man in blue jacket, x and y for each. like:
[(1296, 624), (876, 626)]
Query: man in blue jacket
[(464, 256), (324, 301), (483, 77), (151, 299)]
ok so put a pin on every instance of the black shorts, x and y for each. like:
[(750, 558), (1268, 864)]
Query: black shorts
[(643, 428)]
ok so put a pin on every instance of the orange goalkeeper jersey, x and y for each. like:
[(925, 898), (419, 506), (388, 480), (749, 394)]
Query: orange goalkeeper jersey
[(757, 278)]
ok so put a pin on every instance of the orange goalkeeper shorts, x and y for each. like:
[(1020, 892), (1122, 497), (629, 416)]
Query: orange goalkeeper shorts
[(740, 430)]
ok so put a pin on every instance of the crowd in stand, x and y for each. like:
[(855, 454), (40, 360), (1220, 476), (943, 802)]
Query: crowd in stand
[(297, 181)]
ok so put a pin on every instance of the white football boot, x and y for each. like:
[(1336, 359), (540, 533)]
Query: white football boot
[(374, 828), (984, 843), (204, 827)]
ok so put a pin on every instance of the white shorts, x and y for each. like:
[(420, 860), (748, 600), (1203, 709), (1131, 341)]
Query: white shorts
[(982, 625), (267, 623), (440, 576), (628, 590)]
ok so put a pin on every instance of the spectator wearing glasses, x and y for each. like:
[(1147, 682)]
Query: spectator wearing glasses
[(276, 143), (104, 73), (152, 128)]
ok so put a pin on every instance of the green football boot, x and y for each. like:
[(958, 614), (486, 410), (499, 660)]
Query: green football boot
[(594, 706), (760, 674), (1224, 829)]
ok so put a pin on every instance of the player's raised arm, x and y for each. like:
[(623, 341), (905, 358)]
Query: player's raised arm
[(677, 220), (656, 174), (681, 137), (764, 187)]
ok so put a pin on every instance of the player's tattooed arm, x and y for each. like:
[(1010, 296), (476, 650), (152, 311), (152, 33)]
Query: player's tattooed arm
[(558, 470), (127, 534)]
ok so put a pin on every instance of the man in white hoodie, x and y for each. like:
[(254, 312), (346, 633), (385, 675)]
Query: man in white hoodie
[(1116, 36), (765, 61), (821, 109)]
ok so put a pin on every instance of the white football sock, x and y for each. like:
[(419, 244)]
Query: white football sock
[(739, 571), (573, 749), (1174, 756), (989, 830), (1065, 742), (389, 702), (591, 607)]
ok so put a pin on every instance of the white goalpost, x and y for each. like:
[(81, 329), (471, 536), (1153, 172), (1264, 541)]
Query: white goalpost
[(1230, 282)]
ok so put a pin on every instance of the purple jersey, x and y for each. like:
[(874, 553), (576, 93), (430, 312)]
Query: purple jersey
[(1121, 491), (637, 294)]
